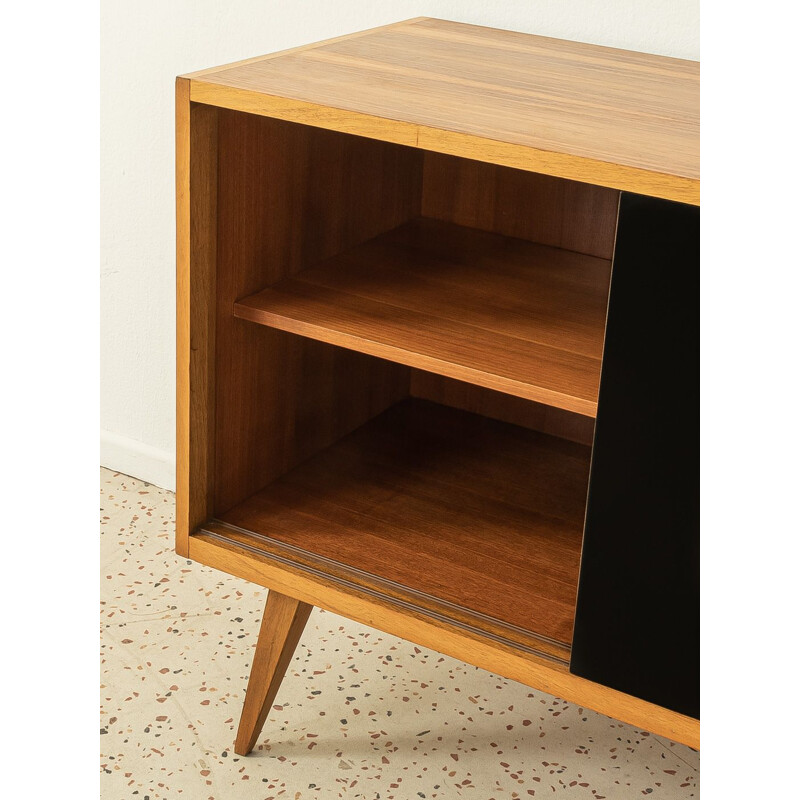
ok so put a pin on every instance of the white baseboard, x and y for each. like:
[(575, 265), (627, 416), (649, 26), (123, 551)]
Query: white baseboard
[(137, 459)]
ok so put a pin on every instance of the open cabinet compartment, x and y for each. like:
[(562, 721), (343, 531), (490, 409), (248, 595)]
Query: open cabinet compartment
[(406, 361)]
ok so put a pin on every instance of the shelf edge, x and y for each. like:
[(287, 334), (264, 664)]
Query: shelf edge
[(250, 312)]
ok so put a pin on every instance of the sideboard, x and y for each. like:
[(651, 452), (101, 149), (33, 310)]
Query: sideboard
[(437, 354)]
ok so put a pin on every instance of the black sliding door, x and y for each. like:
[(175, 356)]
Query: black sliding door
[(637, 618)]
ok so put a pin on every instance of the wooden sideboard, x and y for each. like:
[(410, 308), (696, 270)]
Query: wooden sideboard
[(438, 354)]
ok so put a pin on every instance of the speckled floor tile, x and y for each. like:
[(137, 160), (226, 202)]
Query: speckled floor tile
[(359, 715)]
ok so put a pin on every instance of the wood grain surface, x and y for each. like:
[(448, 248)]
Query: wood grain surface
[(281, 627), (196, 269), (539, 208), (589, 113), (288, 198), (482, 514), (498, 312), (504, 407)]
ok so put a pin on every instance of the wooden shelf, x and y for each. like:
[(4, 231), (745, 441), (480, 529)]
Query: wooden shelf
[(476, 519), (498, 312)]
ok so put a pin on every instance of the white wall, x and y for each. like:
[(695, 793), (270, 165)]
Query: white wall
[(145, 44)]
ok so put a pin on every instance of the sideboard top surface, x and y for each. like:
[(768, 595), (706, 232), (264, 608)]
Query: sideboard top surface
[(596, 114)]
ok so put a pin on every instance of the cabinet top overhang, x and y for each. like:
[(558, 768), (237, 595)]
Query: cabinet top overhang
[(579, 111)]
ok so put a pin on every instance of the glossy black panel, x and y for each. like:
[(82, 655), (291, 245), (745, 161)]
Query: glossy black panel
[(637, 619)]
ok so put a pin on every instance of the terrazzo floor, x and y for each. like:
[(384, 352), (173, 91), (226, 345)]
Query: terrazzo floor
[(359, 715)]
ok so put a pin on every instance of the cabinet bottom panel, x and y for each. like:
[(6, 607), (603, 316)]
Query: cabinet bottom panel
[(449, 511)]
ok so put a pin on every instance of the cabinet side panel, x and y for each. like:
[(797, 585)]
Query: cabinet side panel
[(637, 617), (540, 208), (289, 196), (196, 197)]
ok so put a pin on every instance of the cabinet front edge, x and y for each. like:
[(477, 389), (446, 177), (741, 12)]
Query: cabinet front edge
[(508, 154)]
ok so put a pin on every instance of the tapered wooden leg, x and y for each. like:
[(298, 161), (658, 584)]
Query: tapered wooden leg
[(281, 627)]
